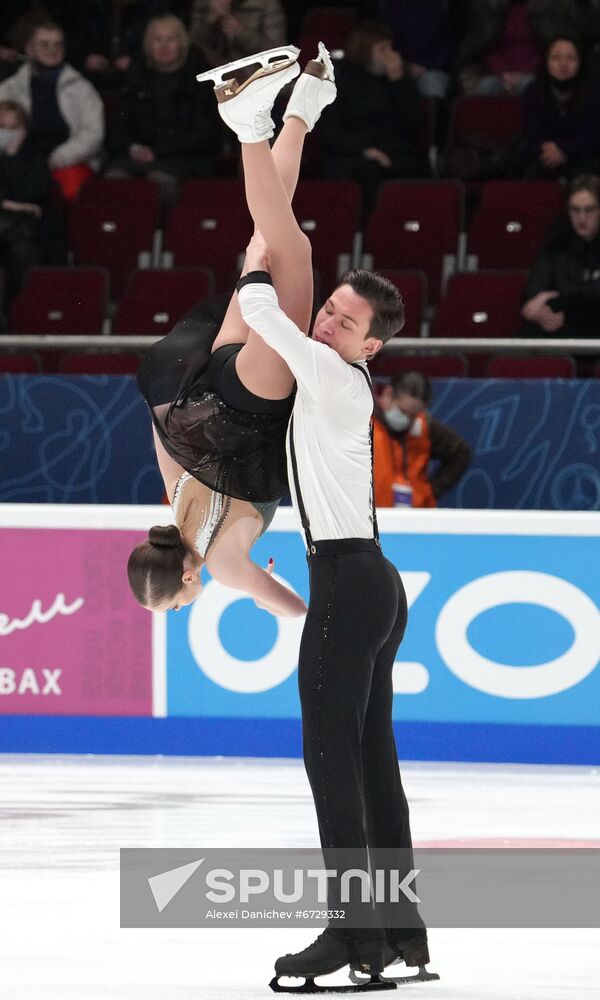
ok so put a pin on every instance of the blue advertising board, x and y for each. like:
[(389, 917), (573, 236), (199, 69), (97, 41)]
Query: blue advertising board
[(86, 439), (500, 661), (503, 628)]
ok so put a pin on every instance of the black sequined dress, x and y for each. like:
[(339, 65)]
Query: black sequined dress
[(233, 451)]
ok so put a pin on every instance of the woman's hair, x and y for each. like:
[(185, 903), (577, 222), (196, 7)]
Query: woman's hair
[(178, 26), (383, 297), (155, 567), (585, 182), (18, 110), (43, 24), (580, 81), (361, 40), (415, 384)]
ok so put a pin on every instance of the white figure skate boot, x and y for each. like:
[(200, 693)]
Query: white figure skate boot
[(313, 90), (246, 106)]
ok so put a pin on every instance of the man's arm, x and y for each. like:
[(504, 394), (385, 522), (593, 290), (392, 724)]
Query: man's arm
[(453, 454), (317, 368)]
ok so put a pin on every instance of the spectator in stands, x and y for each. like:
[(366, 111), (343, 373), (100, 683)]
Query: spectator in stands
[(561, 111), (422, 34), (18, 18), (107, 34), (168, 127), (224, 30), (24, 186), (67, 116), (406, 439), (502, 48), (563, 291), (370, 132)]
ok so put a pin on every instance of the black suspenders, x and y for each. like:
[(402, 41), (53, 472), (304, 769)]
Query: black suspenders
[(310, 545)]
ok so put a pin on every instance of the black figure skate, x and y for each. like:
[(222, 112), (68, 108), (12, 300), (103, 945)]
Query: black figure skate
[(328, 954)]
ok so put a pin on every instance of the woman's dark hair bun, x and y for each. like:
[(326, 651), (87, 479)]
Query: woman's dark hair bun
[(165, 537)]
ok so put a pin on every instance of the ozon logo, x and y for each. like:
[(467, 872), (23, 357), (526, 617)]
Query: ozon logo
[(451, 628), (225, 669), (519, 587)]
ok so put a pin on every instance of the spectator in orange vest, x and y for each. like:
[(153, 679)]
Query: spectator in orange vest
[(406, 439)]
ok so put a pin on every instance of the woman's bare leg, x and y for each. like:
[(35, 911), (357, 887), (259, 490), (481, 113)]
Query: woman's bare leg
[(260, 369)]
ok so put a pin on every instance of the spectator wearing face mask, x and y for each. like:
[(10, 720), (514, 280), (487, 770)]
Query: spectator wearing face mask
[(406, 439), (67, 115), (24, 186)]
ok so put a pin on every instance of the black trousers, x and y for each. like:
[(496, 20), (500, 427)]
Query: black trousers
[(356, 619)]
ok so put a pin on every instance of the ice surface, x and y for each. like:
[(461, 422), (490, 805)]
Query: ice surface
[(63, 820)]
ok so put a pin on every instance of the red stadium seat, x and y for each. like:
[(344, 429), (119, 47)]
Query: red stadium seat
[(329, 24), (113, 235), (61, 300), (122, 191), (538, 366), (433, 365), (481, 304), (412, 286), (99, 364), (511, 221), (210, 234), (498, 118), (20, 363), (328, 212), (416, 224), (222, 191), (154, 300)]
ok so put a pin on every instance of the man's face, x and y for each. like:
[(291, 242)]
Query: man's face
[(584, 213), (343, 324), (47, 46)]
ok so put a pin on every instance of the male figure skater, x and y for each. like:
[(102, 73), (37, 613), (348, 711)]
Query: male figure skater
[(357, 610)]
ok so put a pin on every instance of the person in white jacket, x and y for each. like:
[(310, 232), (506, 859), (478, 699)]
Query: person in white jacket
[(67, 114)]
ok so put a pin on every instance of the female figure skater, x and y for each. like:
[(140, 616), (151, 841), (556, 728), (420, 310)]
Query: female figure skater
[(220, 398)]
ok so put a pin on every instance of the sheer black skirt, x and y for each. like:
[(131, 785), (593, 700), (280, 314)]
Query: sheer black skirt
[(208, 422)]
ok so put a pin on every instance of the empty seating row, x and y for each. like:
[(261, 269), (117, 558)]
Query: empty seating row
[(75, 301), (415, 225)]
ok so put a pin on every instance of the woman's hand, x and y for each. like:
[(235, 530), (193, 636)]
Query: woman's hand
[(372, 153), (269, 570), (551, 156), (257, 254)]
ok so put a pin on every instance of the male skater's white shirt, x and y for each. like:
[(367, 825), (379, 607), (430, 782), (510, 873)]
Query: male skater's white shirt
[(331, 414)]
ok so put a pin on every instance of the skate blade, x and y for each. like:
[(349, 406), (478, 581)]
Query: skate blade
[(285, 54), (309, 986), (231, 88), (322, 66), (325, 58), (422, 976)]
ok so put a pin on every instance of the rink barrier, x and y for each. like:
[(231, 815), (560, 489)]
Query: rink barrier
[(80, 439), (499, 663)]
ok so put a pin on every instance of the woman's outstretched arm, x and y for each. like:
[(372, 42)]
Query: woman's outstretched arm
[(243, 574)]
